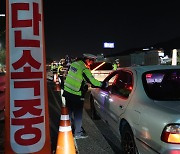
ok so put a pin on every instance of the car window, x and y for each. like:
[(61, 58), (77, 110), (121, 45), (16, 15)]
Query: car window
[(112, 79), (101, 66), (162, 84), (123, 84)]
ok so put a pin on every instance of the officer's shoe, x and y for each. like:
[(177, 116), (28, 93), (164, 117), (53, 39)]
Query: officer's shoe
[(81, 136)]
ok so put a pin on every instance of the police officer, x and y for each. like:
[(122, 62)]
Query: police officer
[(60, 74), (115, 66), (75, 88)]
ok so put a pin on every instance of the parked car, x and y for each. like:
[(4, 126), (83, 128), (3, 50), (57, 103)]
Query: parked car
[(100, 70), (142, 106)]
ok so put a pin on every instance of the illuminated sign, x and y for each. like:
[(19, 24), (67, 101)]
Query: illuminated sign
[(108, 45)]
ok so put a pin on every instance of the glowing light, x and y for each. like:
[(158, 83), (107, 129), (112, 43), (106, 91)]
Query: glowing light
[(174, 57), (108, 45), (171, 134), (148, 75), (174, 138), (98, 66)]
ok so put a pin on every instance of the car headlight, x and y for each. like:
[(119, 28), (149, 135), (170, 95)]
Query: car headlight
[(171, 134)]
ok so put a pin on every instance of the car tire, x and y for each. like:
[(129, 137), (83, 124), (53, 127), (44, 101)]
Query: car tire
[(127, 141), (93, 112)]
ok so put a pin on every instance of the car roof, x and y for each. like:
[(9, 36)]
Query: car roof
[(151, 67)]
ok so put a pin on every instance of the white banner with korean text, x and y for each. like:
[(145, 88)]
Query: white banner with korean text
[(27, 119)]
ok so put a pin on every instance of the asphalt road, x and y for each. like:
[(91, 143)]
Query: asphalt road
[(95, 143), (104, 129), (100, 138)]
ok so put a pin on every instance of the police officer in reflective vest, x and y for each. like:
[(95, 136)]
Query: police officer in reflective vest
[(115, 66), (60, 75), (75, 88)]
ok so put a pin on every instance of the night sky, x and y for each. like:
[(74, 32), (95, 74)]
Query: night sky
[(76, 28)]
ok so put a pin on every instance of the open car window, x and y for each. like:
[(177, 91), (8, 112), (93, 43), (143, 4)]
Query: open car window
[(111, 78), (123, 84), (120, 83)]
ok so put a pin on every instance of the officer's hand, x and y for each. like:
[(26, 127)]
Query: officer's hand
[(104, 84), (85, 88)]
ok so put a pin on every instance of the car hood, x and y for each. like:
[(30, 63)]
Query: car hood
[(172, 105)]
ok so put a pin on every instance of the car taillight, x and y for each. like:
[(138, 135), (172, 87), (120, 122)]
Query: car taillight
[(171, 134)]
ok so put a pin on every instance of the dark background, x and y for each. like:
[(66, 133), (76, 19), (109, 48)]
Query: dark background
[(73, 28)]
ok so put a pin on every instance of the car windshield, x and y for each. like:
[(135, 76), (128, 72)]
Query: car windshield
[(101, 66), (162, 84)]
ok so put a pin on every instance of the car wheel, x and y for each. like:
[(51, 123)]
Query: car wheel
[(93, 112), (127, 142)]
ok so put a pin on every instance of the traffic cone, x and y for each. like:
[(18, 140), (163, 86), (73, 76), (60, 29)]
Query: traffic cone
[(55, 77), (57, 86), (63, 98), (65, 143)]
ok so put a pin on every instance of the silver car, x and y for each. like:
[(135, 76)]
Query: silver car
[(142, 106)]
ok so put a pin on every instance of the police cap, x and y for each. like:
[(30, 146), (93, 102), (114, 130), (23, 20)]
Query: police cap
[(89, 56)]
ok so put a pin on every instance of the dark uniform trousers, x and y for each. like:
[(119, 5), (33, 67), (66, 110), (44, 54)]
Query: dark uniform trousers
[(75, 104)]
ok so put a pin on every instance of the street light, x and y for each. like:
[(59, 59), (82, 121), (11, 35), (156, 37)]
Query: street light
[(174, 57), (1, 30), (2, 15)]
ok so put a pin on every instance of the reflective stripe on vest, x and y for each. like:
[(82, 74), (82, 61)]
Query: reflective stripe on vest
[(75, 76), (71, 87)]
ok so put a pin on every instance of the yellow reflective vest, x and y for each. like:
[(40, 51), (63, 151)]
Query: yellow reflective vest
[(114, 66), (78, 73), (59, 70)]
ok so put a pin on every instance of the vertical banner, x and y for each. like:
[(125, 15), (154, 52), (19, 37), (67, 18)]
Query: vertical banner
[(26, 107)]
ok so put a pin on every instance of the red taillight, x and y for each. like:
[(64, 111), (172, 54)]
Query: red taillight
[(171, 134), (148, 75)]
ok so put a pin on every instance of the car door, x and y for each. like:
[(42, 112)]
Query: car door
[(118, 97), (100, 95)]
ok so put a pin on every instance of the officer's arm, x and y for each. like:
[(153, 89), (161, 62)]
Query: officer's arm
[(90, 78)]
